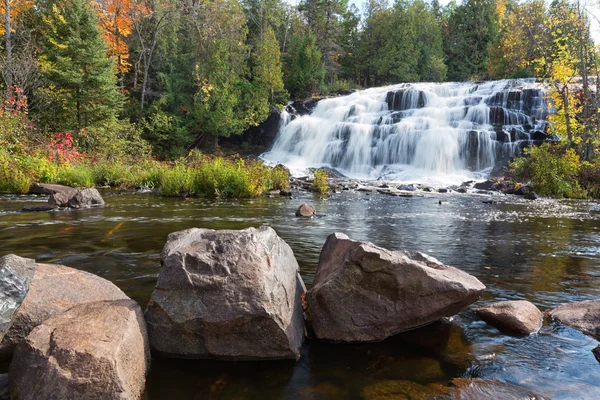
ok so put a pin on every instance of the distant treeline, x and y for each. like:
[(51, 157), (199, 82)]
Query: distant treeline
[(119, 74)]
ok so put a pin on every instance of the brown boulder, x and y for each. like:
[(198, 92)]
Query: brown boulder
[(582, 315), (227, 294), (306, 210), (93, 351), (86, 198), (53, 290), (515, 316), (364, 293), (16, 274)]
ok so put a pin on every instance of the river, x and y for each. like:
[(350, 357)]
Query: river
[(546, 251)]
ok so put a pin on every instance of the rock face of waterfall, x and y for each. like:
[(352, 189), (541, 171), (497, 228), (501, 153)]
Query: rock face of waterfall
[(421, 132)]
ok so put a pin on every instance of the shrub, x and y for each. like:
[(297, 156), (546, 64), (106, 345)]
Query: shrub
[(589, 177), (320, 182), (76, 175), (553, 170)]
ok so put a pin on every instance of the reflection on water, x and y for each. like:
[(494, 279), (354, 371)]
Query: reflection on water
[(547, 252)]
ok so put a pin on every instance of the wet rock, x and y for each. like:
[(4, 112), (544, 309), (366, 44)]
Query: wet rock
[(86, 198), (48, 189), (364, 293), (581, 315), (489, 202), (409, 188), (487, 185), (596, 352), (227, 294), (16, 274), (515, 316), (522, 190), (60, 199), (286, 193), (442, 190), (442, 202), (595, 209), (38, 208), (93, 351), (462, 190), (403, 389), (4, 394), (54, 289), (306, 211), (530, 196), (489, 389)]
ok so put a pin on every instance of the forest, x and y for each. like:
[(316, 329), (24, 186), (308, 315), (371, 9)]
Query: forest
[(113, 83)]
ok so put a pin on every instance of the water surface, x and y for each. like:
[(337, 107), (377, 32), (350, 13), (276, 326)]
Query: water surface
[(547, 252)]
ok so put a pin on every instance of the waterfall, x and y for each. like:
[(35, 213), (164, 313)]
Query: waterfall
[(417, 132)]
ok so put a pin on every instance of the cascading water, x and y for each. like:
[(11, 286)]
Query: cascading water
[(421, 132)]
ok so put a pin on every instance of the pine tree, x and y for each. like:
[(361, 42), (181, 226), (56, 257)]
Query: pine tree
[(267, 73), (81, 84), (303, 68)]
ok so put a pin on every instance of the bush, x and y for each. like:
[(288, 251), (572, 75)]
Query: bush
[(76, 175), (553, 170), (320, 182), (589, 177)]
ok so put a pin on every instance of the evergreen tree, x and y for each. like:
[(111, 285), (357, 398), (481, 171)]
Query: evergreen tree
[(303, 69), (471, 31), (267, 72), (80, 79)]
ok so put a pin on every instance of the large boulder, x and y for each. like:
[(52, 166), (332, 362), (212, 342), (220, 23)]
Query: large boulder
[(93, 351), (227, 294), (86, 198), (364, 293), (582, 315), (53, 290), (50, 189), (514, 316), (16, 274)]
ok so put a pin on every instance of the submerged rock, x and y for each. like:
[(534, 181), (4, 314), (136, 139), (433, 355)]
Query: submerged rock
[(364, 293), (86, 198), (38, 208), (515, 316), (16, 274), (403, 389), (306, 211), (93, 351), (489, 389), (54, 289), (581, 315), (227, 294)]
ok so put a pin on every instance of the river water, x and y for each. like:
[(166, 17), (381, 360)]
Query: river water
[(545, 251)]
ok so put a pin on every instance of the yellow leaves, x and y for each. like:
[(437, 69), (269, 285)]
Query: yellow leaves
[(17, 8)]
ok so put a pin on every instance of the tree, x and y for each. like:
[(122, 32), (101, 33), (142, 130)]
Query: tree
[(11, 11), (80, 80), (303, 69), (267, 73), (471, 31)]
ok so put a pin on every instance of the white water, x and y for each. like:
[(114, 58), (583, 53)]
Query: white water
[(424, 132)]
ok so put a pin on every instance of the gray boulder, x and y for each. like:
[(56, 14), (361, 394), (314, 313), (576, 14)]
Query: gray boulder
[(93, 351), (16, 274), (515, 316), (306, 210), (364, 293), (49, 189), (581, 315), (86, 198), (61, 199), (54, 289), (227, 294)]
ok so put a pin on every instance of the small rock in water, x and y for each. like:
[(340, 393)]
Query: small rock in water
[(596, 352), (442, 190), (442, 202), (306, 211), (487, 185), (518, 316), (38, 208), (461, 190), (409, 188), (489, 202), (286, 193), (530, 196), (595, 209), (581, 315)]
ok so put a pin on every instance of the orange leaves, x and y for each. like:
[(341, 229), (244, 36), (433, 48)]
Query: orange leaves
[(117, 18), (17, 8)]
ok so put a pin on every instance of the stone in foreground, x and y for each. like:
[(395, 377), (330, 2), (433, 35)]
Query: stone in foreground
[(53, 290), (227, 294), (364, 293), (306, 211), (16, 274), (515, 316), (581, 315), (86, 198), (93, 351)]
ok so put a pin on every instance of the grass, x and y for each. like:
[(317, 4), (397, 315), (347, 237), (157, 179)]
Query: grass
[(196, 175)]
